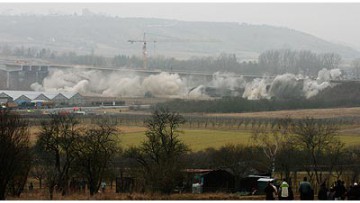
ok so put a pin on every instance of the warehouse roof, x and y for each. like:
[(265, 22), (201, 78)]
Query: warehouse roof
[(34, 94)]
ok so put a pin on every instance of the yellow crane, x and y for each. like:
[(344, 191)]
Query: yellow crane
[(169, 39), (144, 41)]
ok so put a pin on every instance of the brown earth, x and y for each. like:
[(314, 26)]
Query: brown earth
[(315, 113), (111, 195)]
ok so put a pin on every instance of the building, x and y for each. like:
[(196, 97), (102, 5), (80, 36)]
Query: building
[(210, 180), (25, 98), (57, 99)]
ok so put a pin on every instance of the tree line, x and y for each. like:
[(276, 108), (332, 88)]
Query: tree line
[(239, 104), (65, 150), (271, 62)]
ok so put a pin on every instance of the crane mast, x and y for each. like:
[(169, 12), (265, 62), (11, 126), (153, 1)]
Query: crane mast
[(144, 49)]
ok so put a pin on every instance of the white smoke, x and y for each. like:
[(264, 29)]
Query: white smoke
[(323, 75), (335, 74), (129, 84), (198, 92), (290, 86), (327, 75), (257, 89), (37, 87), (227, 81), (114, 84), (312, 88), (124, 87), (286, 86), (164, 84), (222, 84)]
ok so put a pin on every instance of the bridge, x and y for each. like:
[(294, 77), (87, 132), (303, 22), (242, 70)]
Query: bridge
[(35, 72), (19, 74)]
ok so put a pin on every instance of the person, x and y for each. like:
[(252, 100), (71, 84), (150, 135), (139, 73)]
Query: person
[(31, 187), (354, 192), (284, 191), (306, 191), (340, 190), (323, 192), (253, 191), (331, 192), (270, 191), (291, 194), (103, 186)]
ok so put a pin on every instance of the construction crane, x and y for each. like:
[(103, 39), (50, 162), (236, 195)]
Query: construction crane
[(166, 39), (144, 41)]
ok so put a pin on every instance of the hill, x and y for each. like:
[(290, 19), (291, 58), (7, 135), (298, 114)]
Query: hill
[(109, 36)]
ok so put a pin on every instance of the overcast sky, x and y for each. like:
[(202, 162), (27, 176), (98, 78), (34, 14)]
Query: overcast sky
[(336, 22)]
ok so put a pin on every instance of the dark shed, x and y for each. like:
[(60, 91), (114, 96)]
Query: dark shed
[(218, 181), (212, 180)]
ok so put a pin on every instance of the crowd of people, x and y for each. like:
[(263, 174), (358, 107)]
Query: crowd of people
[(337, 191)]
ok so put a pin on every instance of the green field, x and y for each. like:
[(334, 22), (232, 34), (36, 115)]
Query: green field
[(200, 139), (197, 139), (350, 140)]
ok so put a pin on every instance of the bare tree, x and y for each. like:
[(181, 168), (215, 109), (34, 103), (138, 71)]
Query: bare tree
[(272, 140), (161, 154), (353, 154), (330, 60), (14, 153), (238, 158), (356, 67), (287, 160), (307, 63), (95, 150), (38, 172), (316, 138), (271, 61), (57, 144)]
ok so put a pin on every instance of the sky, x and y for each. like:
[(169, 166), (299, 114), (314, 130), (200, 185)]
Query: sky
[(332, 21)]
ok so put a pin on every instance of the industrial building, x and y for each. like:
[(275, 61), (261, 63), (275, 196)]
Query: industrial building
[(26, 98), (54, 99)]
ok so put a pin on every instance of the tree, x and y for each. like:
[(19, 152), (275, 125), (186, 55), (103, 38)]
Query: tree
[(330, 60), (287, 160), (14, 153), (307, 63), (57, 146), (272, 140), (238, 158), (356, 68), (38, 171), (160, 155), (95, 150), (353, 154), (271, 61), (316, 138)]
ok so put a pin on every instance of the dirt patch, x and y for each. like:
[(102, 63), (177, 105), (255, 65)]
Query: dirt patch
[(315, 113), (130, 129)]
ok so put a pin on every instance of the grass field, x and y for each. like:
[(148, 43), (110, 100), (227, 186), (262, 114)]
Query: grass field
[(200, 139), (197, 139)]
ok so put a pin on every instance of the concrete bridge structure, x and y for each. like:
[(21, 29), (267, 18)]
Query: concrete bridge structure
[(19, 76), (15, 75)]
